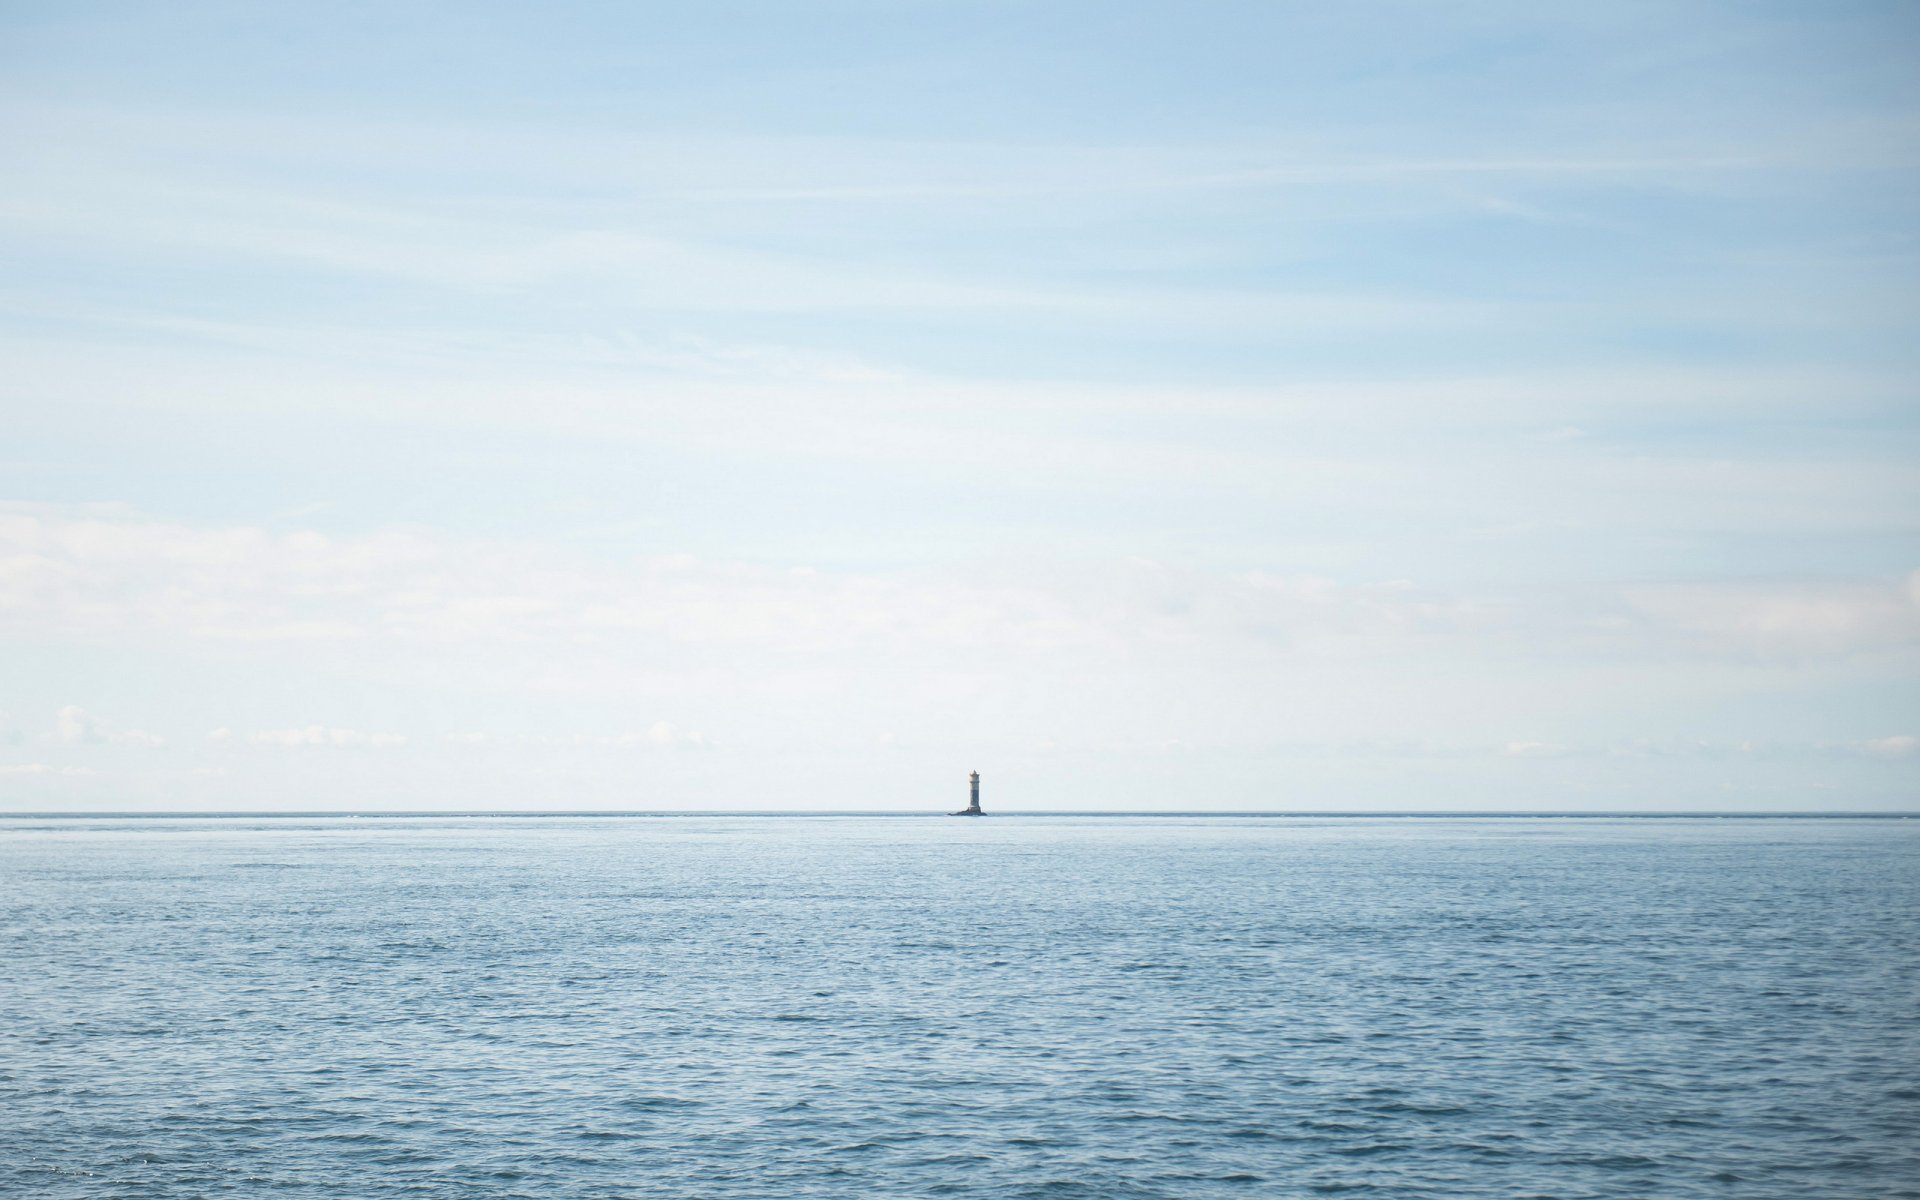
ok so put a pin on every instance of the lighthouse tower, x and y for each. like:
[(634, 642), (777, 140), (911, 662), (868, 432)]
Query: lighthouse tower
[(973, 800)]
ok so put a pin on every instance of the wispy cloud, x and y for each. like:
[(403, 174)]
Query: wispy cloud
[(1900, 745), (75, 726), (322, 735), (46, 769), (123, 574)]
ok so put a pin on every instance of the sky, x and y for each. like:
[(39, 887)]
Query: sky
[(1214, 406)]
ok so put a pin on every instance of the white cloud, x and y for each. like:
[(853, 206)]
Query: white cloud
[(663, 733), (1784, 618), (322, 735), (1898, 746), (43, 769), (75, 726), (124, 575), (1565, 433), (1534, 750), (96, 574)]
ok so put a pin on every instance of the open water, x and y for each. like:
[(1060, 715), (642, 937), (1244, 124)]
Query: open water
[(1102, 1007)]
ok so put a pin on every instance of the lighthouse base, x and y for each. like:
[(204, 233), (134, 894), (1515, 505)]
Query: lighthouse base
[(968, 812)]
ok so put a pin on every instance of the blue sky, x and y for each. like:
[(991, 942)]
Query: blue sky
[(1214, 406)]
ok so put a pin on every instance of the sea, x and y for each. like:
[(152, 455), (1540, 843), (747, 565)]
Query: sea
[(766, 1006)]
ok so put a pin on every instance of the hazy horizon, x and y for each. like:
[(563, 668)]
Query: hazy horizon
[(772, 407)]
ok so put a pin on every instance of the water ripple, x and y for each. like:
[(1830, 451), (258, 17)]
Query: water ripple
[(1152, 1008)]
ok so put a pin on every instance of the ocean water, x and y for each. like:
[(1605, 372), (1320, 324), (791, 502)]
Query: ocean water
[(1018, 1006)]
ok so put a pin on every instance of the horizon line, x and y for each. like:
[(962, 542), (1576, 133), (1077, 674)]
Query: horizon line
[(377, 814)]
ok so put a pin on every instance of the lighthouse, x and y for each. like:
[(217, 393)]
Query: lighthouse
[(973, 798)]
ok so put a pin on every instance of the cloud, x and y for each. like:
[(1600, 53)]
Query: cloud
[(1565, 433), (663, 733), (659, 735), (1535, 750), (1783, 618), (1898, 746), (75, 726), (44, 769), (321, 735), (117, 575), (99, 575)]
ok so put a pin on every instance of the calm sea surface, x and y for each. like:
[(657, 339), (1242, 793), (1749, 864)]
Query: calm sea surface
[(1021, 1006)]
